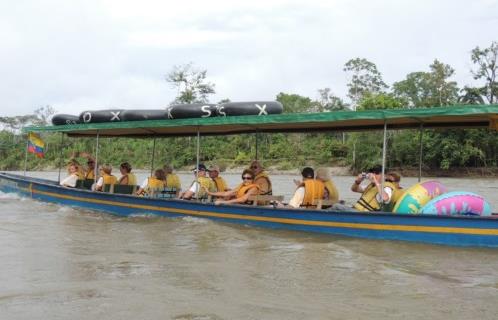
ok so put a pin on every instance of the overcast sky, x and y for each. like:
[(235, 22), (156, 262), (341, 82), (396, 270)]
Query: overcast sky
[(79, 55)]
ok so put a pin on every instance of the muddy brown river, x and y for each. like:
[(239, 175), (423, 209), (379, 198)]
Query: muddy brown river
[(65, 263)]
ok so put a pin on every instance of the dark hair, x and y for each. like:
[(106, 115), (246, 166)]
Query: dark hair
[(159, 174), (308, 173), (248, 171), (125, 165), (377, 169)]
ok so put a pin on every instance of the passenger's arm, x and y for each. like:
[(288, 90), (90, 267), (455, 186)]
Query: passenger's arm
[(356, 187), (252, 192)]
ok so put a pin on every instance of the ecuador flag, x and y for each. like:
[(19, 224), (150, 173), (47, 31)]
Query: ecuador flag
[(36, 145)]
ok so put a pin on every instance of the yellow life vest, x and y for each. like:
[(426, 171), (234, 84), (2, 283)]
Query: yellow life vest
[(220, 183), (242, 189), (172, 181), (332, 190), (132, 179), (90, 174), (313, 189), (154, 185), (368, 201), (207, 183), (109, 179), (265, 175)]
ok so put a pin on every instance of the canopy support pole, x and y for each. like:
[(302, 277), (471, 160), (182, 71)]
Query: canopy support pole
[(26, 155), (420, 153), (257, 140), (153, 155), (61, 147), (384, 149), (96, 158), (197, 163)]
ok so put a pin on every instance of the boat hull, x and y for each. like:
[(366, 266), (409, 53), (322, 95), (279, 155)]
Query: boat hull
[(455, 231)]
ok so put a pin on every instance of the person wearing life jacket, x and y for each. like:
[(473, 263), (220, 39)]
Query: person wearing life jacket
[(214, 174), (373, 198), (72, 178), (309, 189), (199, 186), (331, 192), (127, 177), (398, 192), (105, 178), (241, 193), (153, 184), (262, 179), (172, 180)]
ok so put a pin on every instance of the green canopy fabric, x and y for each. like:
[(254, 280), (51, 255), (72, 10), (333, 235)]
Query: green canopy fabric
[(485, 116)]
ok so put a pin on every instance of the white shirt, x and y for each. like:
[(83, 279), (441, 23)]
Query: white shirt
[(297, 198), (195, 187), (70, 181), (389, 192), (100, 182)]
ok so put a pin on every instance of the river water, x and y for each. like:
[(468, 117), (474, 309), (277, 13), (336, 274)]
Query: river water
[(65, 263)]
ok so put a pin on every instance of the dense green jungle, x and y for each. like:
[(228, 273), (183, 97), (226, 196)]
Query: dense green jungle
[(444, 151)]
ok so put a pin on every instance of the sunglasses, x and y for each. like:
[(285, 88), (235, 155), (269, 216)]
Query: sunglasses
[(254, 167), (247, 178)]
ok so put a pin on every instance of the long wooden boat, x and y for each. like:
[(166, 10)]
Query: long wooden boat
[(446, 230)]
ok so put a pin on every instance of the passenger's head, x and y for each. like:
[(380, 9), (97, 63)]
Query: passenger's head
[(106, 168), (214, 171), (256, 167), (308, 173), (377, 169), (247, 176), (323, 174), (168, 168), (125, 167), (91, 164), (200, 170), (159, 174), (393, 176), (72, 168)]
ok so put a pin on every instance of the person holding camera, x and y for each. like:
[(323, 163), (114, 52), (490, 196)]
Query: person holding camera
[(373, 198)]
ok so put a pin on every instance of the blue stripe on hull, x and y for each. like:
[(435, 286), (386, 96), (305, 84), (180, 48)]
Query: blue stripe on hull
[(261, 217)]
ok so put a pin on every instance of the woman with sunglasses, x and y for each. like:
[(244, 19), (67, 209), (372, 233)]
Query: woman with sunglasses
[(240, 194)]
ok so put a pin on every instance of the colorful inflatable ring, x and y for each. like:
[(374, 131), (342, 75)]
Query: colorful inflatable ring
[(457, 203), (417, 196)]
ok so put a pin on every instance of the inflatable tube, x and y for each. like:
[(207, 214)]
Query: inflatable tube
[(255, 108), (138, 115), (63, 119), (457, 203), (109, 115), (193, 110), (417, 196)]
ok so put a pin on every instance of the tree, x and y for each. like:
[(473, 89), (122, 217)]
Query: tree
[(329, 102), (377, 101), (190, 83), (294, 103), (43, 114), (470, 95), (365, 78), (428, 89), (487, 66)]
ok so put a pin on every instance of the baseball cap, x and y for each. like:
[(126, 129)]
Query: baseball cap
[(201, 167)]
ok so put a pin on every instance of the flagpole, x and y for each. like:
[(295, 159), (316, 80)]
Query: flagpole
[(26, 154)]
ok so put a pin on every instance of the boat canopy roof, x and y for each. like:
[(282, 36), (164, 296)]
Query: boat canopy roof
[(481, 116)]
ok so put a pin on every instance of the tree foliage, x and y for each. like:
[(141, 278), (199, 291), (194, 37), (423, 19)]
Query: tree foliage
[(365, 78), (191, 84), (487, 67)]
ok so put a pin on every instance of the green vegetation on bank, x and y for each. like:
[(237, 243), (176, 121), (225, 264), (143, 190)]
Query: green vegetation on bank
[(442, 149)]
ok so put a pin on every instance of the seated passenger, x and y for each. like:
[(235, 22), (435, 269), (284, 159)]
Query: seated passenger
[(79, 171), (261, 178), (127, 178), (220, 183), (153, 184), (72, 178), (240, 194), (172, 180), (105, 178), (371, 199), (310, 189), (199, 186), (394, 178), (89, 171), (331, 192)]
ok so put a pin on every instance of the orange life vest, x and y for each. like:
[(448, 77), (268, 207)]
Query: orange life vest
[(243, 189), (264, 175), (313, 190)]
